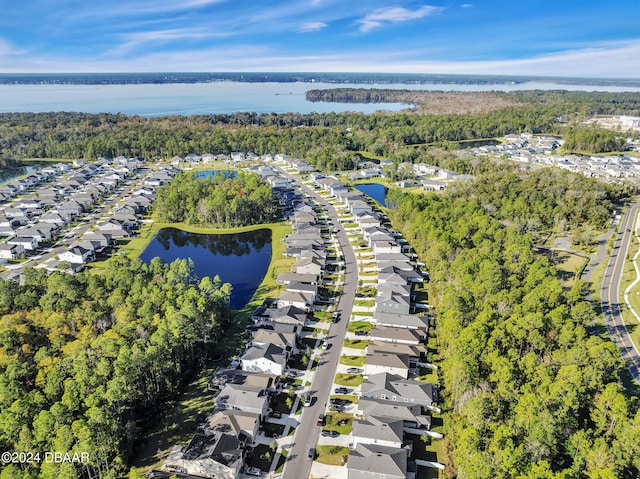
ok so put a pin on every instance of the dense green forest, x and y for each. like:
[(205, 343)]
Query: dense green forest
[(529, 393), (87, 361), (328, 140), (597, 140), (244, 200)]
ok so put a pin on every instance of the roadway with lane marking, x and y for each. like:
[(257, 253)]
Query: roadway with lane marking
[(298, 464), (610, 292)]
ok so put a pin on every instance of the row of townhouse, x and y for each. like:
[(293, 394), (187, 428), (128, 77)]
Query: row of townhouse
[(121, 223), (40, 216), (391, 405)]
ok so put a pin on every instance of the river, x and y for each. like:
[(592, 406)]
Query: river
[(150, 100)]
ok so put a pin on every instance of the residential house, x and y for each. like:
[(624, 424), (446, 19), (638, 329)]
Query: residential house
[(298, 299), (382, 362), (76, 254), (286, 315), (392, 302), (267, 358), (243, 398), (371, 461), (372, 430), (29, 243), (287, 340), (287, 278), (11, 251), (395, 388), (409, 321), (395, 335), (217, 456), (309, 266), (242, 424)]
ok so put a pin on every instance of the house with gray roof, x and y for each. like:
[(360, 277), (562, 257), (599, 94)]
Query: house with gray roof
[(410, 413), (388, 334), (410, 321), (286, 340), (383, 362), (265, 358), (243, 398), (373, 430), (242, 424), (371, 461), (394, 388), (217, 456), (288, 278), (287, 315), (392, 302)]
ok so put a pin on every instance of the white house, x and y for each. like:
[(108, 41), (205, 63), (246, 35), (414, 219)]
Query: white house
[(11, 251), (265, 358)]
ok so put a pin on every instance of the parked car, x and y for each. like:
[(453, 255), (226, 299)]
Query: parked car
[(353, 370), (361, 333), (253, 471), (328, 433), (321, 420), (341, 390), (307, 401), (276, 414), (312, 453), (336, 318)]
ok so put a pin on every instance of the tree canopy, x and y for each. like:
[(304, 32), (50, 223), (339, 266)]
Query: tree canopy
[(86, 359)]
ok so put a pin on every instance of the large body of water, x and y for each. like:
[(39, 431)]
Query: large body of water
[(151, 100), (241, 259)]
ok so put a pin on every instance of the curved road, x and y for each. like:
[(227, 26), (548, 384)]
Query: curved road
[(610, 292), (298, 464)]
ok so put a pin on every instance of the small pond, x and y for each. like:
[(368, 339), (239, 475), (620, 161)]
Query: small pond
[(375, 191), (8, 174), (241, 259)]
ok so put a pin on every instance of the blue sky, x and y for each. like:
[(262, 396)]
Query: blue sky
[(581, 38)]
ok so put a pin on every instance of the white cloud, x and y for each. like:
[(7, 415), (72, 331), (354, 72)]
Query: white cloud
[(133, 40), (379, 17), (312, 27), (466, 5)]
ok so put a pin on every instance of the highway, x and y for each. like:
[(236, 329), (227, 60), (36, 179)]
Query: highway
[(298, 464), (610, 292)]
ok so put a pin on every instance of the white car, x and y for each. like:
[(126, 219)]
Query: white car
[(254, 471)]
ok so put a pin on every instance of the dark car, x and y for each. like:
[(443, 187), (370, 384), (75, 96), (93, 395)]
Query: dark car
[(275, 414), (353, 370), (312, 453), (341, 390), (361, 333), (336, 318), (327, 433), (320, 421)]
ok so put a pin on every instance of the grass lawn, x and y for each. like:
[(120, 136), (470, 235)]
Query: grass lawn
[(357, 361), (339, 421), (367, 273), (353, 380), (368, 303), (332, 455), (356, 343), (359, 326), (568, 266)]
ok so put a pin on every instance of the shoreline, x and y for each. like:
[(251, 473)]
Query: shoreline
[(134, 247)]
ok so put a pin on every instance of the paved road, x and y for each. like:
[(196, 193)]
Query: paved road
[(610, 292), (298, 465)]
